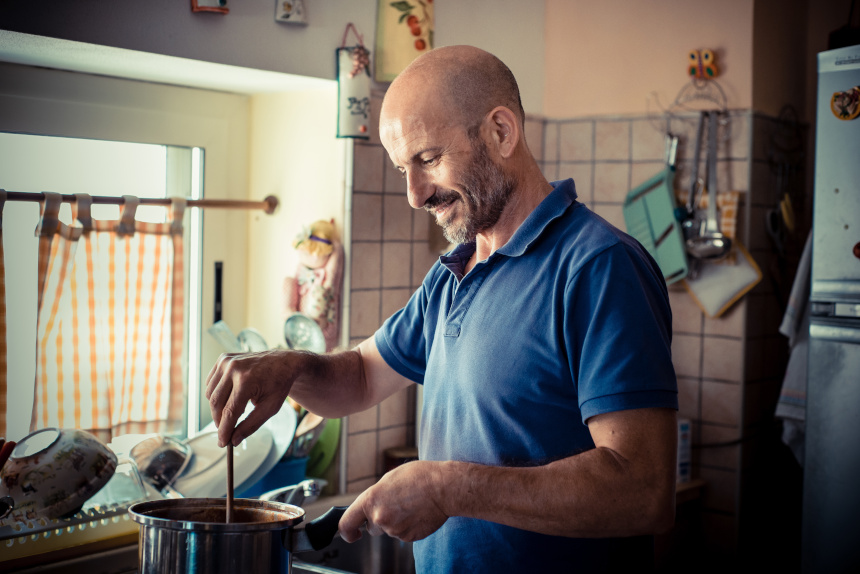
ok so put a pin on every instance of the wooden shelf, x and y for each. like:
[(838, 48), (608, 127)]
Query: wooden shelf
[(686, 491)]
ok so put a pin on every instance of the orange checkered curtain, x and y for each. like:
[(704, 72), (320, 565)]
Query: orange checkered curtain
[(110, 329)]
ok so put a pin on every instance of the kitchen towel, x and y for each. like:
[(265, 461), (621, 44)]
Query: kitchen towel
[(791, 406), (718, 286)]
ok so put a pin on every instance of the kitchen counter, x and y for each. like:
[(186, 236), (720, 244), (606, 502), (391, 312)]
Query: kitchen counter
[(123, 559), (120, 556)]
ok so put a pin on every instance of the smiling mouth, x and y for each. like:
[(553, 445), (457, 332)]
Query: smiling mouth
[(441, 208)]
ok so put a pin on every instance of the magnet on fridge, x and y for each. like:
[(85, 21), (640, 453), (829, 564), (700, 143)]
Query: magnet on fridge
[(846, 105)]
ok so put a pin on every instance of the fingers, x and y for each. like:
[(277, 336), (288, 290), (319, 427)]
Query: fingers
[(229, 416), (219, 396), (238, 378), (352, 521), (212, 378), (255, 419), (226, 400)]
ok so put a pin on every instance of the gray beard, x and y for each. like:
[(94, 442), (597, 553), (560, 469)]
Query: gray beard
[(486, 192)]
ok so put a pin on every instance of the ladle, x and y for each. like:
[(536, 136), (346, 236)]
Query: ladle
[(710, 244)]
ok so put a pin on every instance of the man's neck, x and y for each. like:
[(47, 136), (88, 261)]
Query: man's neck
[(523, 201)]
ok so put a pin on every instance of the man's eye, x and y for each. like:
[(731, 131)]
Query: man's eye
[(431, 161)]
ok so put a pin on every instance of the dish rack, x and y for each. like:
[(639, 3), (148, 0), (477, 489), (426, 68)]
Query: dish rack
[(24, 538)]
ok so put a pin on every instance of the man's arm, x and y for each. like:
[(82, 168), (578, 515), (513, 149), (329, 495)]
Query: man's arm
[(328, 385), (623, 487)]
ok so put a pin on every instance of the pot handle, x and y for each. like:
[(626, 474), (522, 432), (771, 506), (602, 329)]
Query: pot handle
[(318, 533), (321, 532)]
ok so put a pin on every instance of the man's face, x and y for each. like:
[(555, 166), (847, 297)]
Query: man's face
[(448, 173), (484, 190)]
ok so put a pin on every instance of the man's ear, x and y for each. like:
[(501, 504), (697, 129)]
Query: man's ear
[(505, 129)]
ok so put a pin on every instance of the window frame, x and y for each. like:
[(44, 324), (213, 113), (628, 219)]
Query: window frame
[(43, 101)]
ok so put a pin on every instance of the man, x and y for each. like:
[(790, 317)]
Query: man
[(548, 434)]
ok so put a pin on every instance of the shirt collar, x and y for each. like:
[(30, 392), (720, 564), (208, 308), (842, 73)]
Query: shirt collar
[(552, 207)]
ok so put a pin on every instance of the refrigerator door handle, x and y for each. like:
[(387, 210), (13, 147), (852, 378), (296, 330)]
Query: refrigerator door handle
[(834, 333)]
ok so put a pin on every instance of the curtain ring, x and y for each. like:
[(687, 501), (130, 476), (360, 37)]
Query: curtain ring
[(126, 221), (82, 211), (2, 205), (49, 222)]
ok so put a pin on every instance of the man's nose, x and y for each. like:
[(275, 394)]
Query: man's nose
[(418, 188)]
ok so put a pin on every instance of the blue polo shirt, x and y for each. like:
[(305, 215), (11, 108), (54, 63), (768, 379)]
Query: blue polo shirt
[(568, 320)]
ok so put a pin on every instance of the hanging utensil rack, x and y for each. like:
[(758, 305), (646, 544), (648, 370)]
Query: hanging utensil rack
[(694, 97)]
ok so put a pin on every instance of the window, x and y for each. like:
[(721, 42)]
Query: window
[(70, 165)]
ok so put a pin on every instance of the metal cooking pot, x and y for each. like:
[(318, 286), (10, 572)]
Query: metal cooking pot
[(190, 535)]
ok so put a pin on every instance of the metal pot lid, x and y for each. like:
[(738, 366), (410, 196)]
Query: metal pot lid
[(209, 514)]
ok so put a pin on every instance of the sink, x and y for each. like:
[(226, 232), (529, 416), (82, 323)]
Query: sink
[(369, 555)]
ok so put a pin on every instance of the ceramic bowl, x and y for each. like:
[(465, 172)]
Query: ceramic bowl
[(52, 472)]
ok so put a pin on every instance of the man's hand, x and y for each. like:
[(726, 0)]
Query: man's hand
[(403, 504), (263, 378)]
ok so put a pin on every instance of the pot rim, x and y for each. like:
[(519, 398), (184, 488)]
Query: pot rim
[(145, 513)]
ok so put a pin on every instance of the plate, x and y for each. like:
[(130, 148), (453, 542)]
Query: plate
[(206, 477), (252, 341), (282, 427), (206, 455)]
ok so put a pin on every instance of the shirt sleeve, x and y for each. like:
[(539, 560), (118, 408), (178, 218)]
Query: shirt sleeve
[(402, 340), (619, 334)]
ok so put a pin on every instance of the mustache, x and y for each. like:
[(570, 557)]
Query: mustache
[(438, 199)]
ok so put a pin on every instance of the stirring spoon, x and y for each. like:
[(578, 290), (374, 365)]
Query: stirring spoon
[(229, 483)]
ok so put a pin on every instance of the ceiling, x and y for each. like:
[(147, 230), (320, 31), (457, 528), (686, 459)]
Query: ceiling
[(41, 51)]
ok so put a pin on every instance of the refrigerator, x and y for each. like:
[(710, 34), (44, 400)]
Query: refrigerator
[(831, 479)]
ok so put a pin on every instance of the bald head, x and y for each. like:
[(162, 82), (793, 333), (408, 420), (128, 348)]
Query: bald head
[(465, 81)]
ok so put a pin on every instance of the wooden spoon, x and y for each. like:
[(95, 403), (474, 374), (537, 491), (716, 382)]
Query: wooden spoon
[(229, 483)]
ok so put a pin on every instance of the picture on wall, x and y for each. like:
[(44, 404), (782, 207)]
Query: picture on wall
[(404, 31), (291, 11), (219, 6)]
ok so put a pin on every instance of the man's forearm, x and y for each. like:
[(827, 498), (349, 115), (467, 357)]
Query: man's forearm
[(594, 494), (623, 487), (333, 385)]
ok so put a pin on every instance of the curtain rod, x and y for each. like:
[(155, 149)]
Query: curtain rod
[(269, 204)]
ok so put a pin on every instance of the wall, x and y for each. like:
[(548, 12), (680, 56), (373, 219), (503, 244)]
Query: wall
[(294, 157), (779, 65), (249, 36), (729, 368), (390, 255), (608, 57)]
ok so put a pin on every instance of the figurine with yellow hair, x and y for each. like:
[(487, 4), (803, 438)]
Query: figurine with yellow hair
[(315, 290)]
